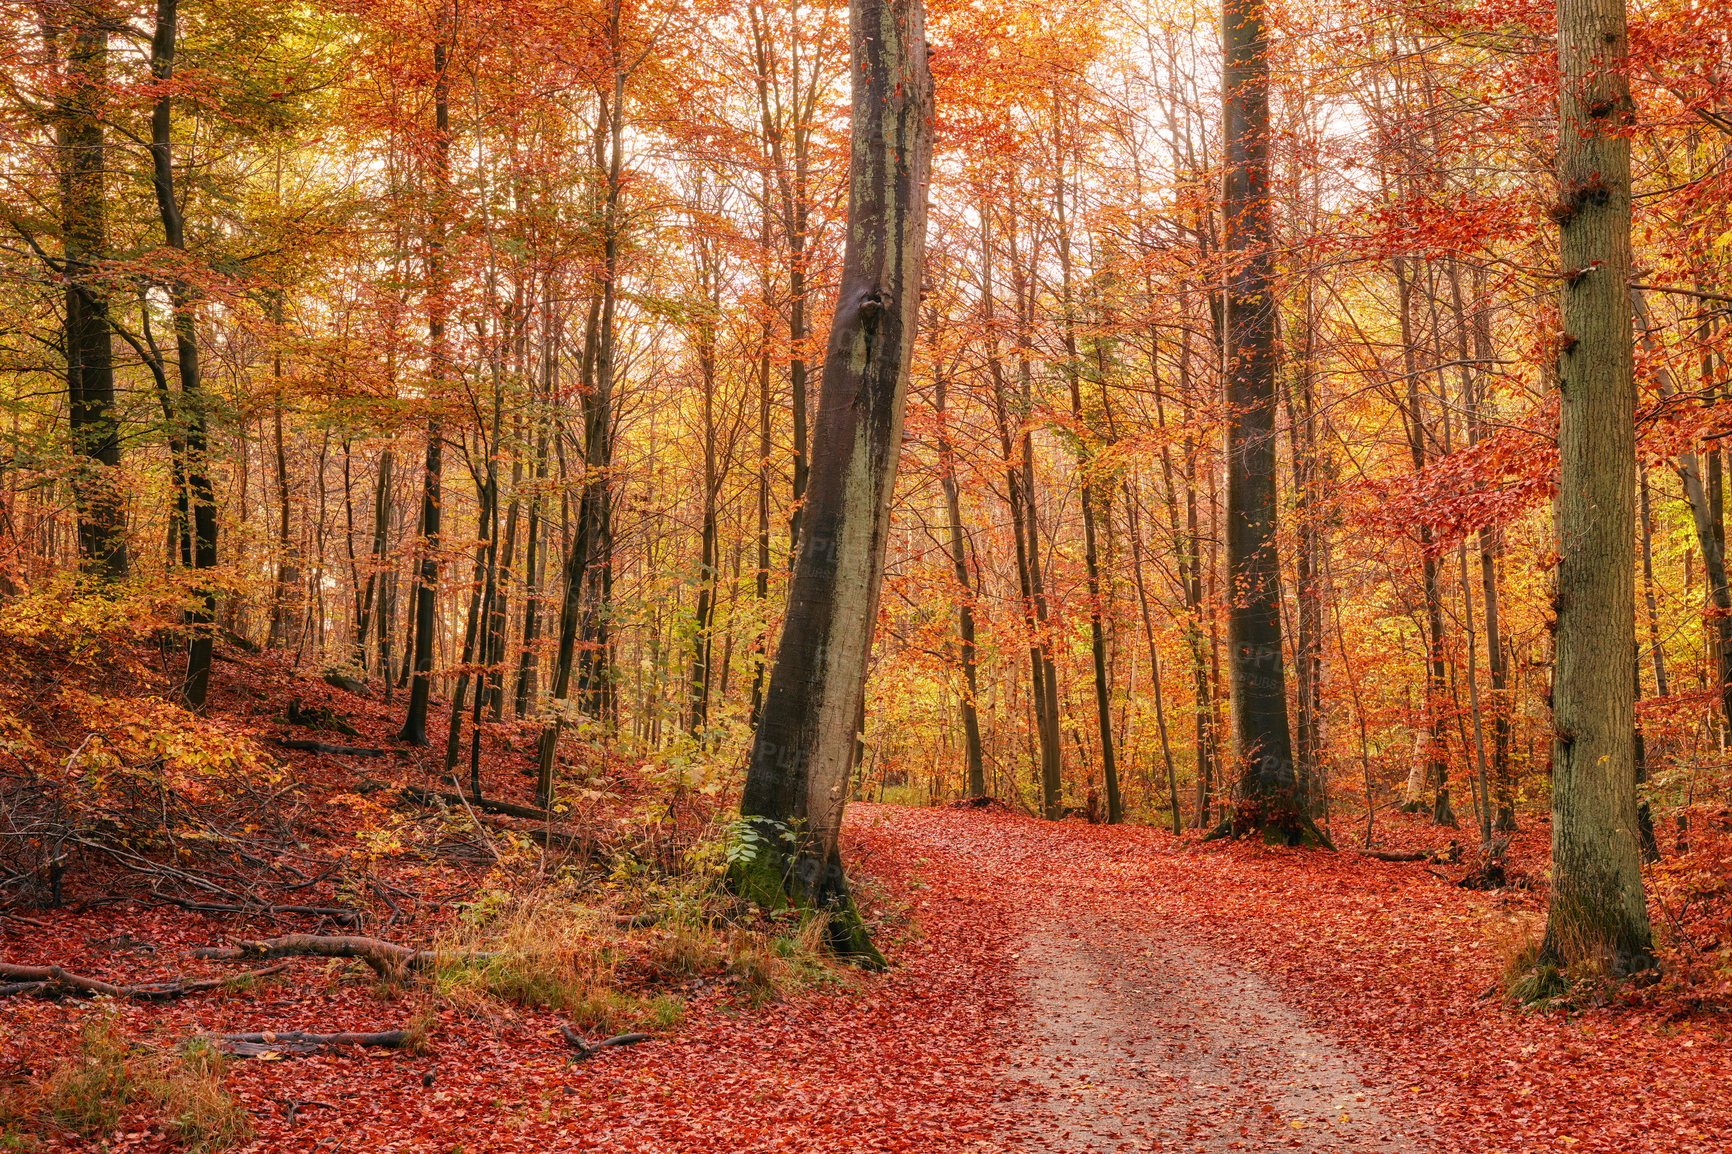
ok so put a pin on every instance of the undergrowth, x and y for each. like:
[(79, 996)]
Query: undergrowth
[(108, 1079), (622, 950)]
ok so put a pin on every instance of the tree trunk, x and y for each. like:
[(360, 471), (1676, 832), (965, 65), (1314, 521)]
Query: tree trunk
[(368, 616), (1027, 554), (194, 405), (589, 564), (1597, 912), (1702, 517), (976, 766), (1089, 488), (93, 424), (414, 730), (1436, 768), (802, 754), (1268, 802)]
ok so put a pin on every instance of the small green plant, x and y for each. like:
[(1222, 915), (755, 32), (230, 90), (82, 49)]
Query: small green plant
[(87, 1093), (108, 1076), (1542, 988)]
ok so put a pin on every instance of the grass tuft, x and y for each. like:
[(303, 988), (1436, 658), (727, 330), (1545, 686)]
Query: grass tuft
[(109, 1077)]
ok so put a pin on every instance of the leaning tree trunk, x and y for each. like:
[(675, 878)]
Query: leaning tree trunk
[(194, 404), (1269, 802), (798, 774), (1597, 911)]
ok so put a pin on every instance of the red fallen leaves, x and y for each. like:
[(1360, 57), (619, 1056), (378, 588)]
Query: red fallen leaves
[(1391, 961), (1387, 958)]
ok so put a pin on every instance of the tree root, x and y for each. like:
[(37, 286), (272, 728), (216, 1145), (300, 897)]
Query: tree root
[(54, 982), (299, 1042), (586, 1050)]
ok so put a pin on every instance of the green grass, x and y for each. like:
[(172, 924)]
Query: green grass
[(110, 1077)]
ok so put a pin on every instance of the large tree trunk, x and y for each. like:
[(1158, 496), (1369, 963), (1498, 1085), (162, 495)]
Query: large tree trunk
[(1268, 802), (1597, 911), (95, 429), (802, 754)]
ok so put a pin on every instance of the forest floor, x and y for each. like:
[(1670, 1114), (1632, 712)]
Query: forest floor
[(1059, 987), (1053, 986)]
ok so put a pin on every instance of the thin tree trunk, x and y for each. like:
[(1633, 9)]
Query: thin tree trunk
[(414, 731), (1154, 655), (194, 405), (1090, 495), (1702, 516), (976, 766)]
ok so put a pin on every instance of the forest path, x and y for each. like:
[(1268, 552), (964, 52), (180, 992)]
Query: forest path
[(1135, 1035)]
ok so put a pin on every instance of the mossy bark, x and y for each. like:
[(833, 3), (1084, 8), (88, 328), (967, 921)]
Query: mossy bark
[(799, 771), (1597, 914), (778, 875)]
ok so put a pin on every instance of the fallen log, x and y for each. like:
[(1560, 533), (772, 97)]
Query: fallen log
[(388, 959), (1444, 853), (339, 680), (353, 917), (431, 797), (586, 1050), (322, 747), (319, 717), (554, 838), (55, 981), (300, 1042)]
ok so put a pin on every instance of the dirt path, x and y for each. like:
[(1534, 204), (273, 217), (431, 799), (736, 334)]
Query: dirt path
[(1136, 1037)]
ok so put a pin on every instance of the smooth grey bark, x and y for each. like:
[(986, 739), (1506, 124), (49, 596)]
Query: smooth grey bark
[(1597, 912), (1268, 801), (803, 752)]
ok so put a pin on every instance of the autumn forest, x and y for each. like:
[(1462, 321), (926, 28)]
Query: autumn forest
[(567, 566)]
